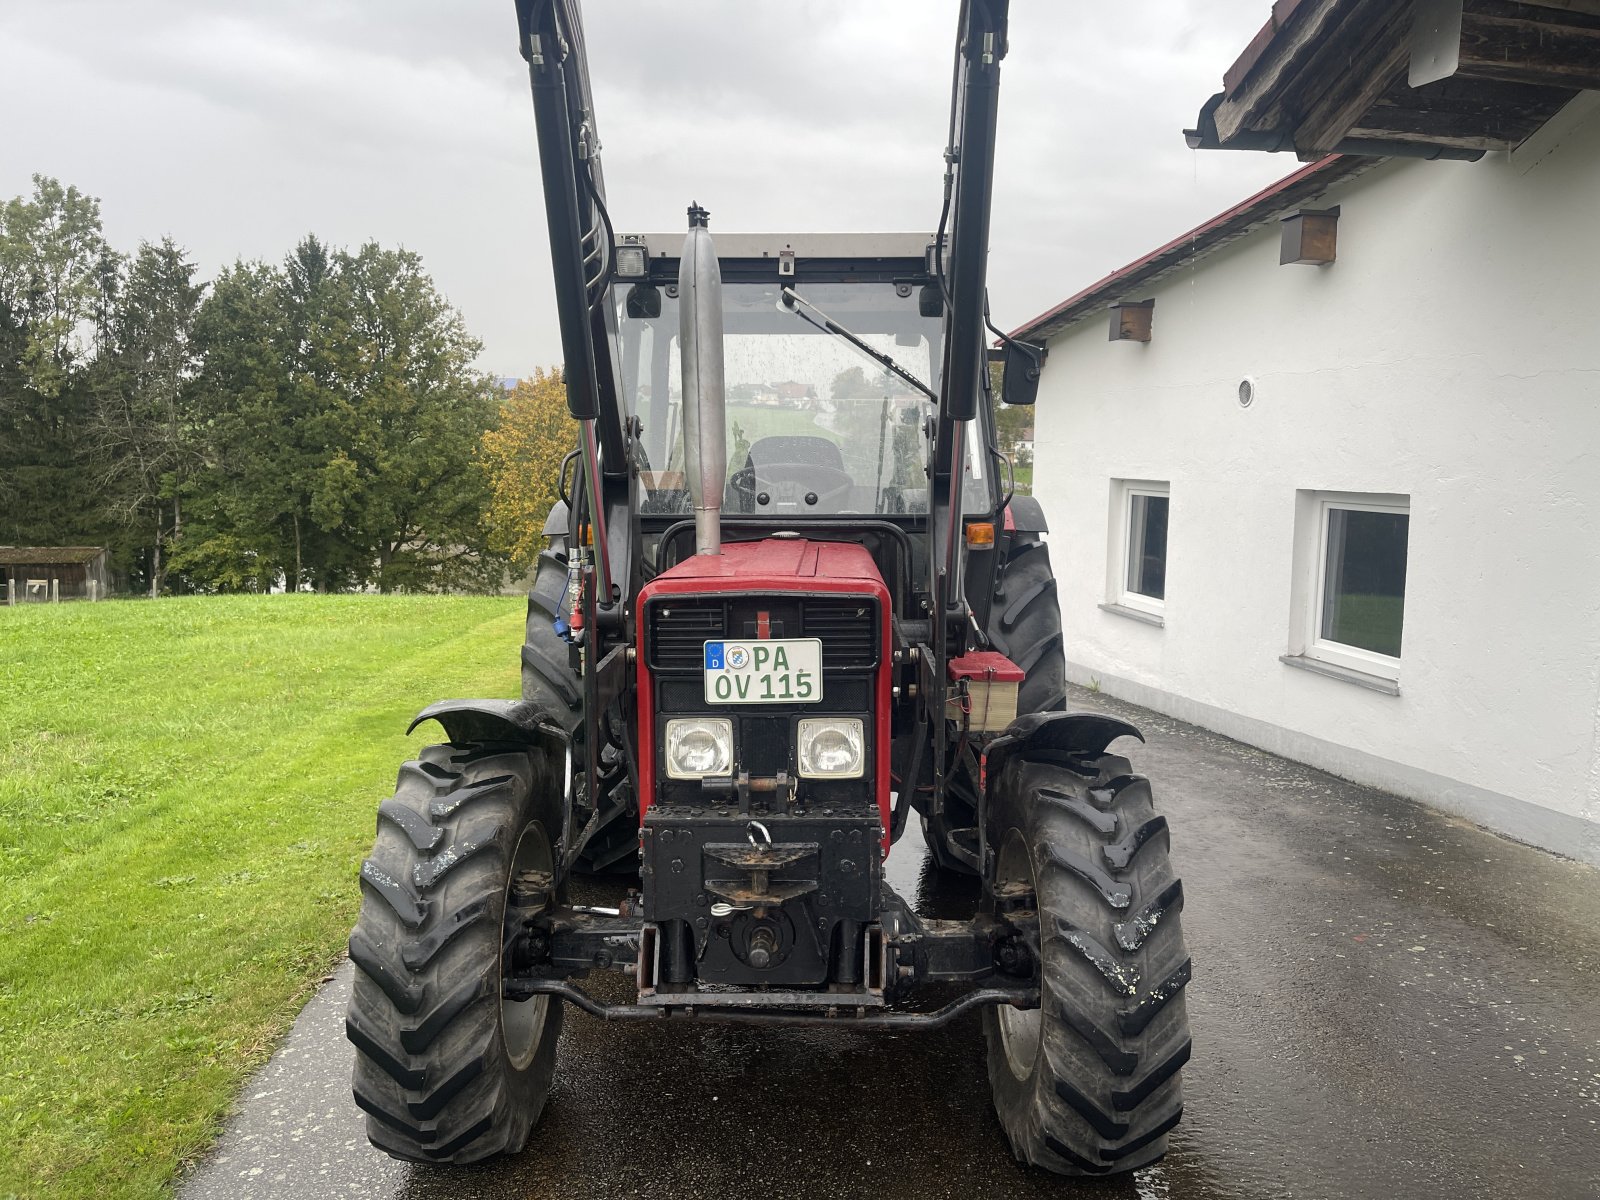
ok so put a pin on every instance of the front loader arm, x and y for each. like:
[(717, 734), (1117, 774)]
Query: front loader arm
[(964, 228), (581, 247), (582, 250), (969, 182), (603, 530)]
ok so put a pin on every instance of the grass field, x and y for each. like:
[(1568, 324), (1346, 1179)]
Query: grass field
[(187, 788)]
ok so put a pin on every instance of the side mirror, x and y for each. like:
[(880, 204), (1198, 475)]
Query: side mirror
[(1023, 365), (644, 301)]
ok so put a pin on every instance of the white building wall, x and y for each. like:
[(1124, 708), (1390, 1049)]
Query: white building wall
[(1452, 353)]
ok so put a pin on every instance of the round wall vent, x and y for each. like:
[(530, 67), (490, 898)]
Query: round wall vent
[(1247, 392)]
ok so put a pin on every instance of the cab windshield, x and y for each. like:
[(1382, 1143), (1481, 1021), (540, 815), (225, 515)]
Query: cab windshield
[(814, 426)]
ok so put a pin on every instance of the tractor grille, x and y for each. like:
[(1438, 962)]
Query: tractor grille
[(677, 629), (848, 629), (847, 626)]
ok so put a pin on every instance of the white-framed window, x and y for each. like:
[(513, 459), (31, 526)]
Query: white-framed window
[(1137, 563), (1352, 550)]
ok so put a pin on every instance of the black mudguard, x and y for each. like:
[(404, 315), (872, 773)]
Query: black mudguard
[(1027, 515), (516, 721), (1064, 732)]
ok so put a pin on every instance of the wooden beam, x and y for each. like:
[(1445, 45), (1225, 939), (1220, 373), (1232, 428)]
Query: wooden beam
[(1592, 7), (1380, 131), (1339, 95), (1249, 105), (1474, 114), (1502, 40)]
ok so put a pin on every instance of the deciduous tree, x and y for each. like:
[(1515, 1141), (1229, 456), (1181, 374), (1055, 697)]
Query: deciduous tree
[(523, 458)]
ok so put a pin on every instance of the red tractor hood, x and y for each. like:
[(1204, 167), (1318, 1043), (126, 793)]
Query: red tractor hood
[(774, 565), (779, 562)]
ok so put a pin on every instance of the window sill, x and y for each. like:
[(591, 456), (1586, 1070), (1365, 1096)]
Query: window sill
[(1377, 683), (1135, 614)]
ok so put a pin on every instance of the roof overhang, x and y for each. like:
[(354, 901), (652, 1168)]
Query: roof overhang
[(48, 556), (1135, 279), (1413, 78)]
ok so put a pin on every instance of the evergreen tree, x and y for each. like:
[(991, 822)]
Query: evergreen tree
[(56, 272), (315, 423), (147, 438)]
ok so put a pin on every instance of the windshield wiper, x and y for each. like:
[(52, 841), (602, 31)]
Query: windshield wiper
[(829, 325)]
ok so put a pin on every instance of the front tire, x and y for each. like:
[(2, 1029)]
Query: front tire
[(448, 1070), (1088, 1083)]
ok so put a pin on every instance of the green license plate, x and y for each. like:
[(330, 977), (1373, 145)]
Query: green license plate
[(774, 671)]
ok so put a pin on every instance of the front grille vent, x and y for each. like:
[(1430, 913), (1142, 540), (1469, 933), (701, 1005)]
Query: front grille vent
[(848, 629), (678, 629), (847, 626)]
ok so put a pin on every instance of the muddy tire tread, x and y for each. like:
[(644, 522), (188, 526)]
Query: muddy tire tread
[(1106, 1090), (1025, 626), (431, 1069), (1027, 629), (549, 681)]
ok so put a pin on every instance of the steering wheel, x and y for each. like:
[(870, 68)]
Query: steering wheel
[(791, 484)]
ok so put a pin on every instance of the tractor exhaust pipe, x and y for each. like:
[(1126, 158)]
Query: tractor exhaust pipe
[(704, 403)]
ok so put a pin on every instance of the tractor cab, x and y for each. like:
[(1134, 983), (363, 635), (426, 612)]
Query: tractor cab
[(832, 348)]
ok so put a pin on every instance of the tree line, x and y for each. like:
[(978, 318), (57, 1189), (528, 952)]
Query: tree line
[(315, 423)]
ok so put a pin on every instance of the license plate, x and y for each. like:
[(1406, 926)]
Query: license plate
[(774, 671)]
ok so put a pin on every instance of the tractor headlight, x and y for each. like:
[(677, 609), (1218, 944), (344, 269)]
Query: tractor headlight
[(699, 746), (832, 748)]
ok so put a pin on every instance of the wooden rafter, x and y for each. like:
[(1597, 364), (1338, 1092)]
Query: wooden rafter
[(1592, 7), (1251, 105), (1540, 44), (1350, 82), (1396, 76), (1475, 114)]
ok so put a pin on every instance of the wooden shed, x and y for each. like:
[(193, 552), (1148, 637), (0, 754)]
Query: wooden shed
[(43, 573)]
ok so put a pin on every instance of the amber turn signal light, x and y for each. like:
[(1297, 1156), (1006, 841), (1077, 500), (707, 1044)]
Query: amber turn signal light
[(980, 535)]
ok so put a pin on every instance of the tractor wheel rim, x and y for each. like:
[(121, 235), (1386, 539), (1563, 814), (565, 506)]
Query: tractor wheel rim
[(1021, 1029), (522, 1021)]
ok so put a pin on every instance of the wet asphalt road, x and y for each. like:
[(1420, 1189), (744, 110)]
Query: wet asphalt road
[(1386, 1003)]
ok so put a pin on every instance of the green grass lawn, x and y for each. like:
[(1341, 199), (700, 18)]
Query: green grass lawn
[(187, 788)]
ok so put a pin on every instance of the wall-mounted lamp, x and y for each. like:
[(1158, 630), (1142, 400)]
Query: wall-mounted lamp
[(1130, 322), (1310, 236)]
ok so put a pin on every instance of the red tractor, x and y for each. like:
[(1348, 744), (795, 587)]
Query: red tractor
[(789, 600)]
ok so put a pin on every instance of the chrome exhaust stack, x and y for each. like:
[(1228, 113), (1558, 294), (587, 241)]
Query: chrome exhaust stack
[(704, 399)]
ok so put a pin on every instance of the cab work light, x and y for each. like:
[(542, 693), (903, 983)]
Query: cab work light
[(633, 260)]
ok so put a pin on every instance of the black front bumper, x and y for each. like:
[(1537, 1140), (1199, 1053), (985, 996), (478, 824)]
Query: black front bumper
[(761, 900)]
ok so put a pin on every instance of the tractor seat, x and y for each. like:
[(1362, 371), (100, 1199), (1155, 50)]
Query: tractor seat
[(795, 449), (792, 465)]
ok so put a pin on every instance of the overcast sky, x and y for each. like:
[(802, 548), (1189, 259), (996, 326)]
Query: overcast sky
[(237, 128)]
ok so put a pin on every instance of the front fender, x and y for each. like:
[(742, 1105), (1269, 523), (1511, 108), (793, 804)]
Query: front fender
[(517, 721), (1065, 732)]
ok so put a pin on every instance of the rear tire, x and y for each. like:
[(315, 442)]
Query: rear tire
[(549, 681), (547, 675), (446, 1069), (1088, 1083), (1025, 626)]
